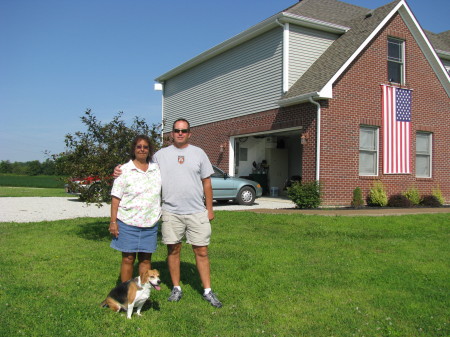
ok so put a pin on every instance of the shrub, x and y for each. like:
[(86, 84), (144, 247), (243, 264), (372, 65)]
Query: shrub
[(357, 200), (399, 200), (436, 192), (430, 201), (413, 195), (377, 195), (305, 195)]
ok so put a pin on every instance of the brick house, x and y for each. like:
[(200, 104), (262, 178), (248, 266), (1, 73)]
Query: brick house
[(309, 91)]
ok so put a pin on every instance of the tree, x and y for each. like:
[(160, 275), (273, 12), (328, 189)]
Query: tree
[(5, 166), (33, 168), (95, 152)]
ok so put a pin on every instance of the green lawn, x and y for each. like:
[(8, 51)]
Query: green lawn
[(7, 179), (6, 191), (277, 275)]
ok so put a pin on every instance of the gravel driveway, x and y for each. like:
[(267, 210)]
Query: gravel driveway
[(29, 209)]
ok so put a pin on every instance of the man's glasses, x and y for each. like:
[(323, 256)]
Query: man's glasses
[(139, 147), (180, 130)]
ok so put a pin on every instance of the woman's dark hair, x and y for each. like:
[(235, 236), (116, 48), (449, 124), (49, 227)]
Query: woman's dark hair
[(150, 147)]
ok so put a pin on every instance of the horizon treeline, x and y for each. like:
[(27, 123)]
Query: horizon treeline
[(31, 168)]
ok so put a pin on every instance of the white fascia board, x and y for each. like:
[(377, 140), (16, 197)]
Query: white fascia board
[(313, 23), (250, 33), (427, 49), (297, 99)]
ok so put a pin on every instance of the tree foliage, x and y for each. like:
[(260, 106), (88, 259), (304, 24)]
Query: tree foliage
[(97, 150), (31, 168)]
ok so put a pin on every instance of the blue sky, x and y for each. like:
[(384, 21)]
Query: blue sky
[(61, 57)]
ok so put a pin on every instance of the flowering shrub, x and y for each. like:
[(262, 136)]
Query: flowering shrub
[(413, 195), (377, 195)]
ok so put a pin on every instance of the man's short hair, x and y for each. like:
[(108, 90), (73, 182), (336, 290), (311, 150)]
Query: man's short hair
[(181, 120)]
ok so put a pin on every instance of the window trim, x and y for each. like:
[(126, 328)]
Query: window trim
[(402, 62), (429, 154), (376, 150)]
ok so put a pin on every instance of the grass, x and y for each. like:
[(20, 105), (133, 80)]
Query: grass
[(277, 275), (6, 191), (42, 181)]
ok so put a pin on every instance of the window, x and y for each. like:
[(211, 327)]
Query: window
[(396, 60), (243, 154), (368, 151), (423, 154)]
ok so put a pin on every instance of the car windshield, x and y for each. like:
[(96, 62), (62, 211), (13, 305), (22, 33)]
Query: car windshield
[(218, 172)]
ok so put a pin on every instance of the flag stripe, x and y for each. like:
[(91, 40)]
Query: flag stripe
[(396, 105)]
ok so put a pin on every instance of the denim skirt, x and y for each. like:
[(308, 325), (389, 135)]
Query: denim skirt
[(134, 239)]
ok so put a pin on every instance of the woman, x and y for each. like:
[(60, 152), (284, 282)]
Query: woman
[(136, 208)]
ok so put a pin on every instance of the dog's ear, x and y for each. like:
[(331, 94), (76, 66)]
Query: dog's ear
[(144, 277)]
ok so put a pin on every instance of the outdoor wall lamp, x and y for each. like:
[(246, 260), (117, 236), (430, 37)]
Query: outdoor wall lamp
[(222, 147), (304, 138)]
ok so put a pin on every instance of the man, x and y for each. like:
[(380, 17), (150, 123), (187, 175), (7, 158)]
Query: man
[(185, 173)]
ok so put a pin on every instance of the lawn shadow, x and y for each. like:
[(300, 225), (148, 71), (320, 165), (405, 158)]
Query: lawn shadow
[(189, 275), (94, 230)]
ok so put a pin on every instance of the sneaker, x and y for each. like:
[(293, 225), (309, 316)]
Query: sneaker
[(175, 295), (212, 298)]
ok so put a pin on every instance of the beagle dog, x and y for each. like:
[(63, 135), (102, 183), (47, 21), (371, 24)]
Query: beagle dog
[(132, 293)]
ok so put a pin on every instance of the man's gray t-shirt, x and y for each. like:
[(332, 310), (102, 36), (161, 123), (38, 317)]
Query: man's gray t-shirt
[(181, 174)]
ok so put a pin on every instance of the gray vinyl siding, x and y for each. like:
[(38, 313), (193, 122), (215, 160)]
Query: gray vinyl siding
[(305, 47), (243, 80)]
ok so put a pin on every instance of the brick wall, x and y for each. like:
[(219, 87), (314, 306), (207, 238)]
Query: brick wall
[(357, 100)]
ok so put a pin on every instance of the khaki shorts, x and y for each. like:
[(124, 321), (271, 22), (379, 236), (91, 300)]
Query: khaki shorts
[(196, 227)]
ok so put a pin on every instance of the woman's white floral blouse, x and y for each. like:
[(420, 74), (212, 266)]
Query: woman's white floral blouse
[(140, 195)]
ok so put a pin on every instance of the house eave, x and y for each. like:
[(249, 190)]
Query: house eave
[(443, 54), (300, 99), (249, 34)]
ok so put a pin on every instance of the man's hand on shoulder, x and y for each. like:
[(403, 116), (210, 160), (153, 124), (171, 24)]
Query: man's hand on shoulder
[(117, 171)]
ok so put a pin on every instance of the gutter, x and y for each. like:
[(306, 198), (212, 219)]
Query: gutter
[(317, 137)]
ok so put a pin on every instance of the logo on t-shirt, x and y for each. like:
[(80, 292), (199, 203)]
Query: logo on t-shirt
[(180, 159)]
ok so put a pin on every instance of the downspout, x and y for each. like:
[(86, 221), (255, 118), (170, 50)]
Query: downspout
[(160, 87), (317, 138), (285, 56), (162, 116)]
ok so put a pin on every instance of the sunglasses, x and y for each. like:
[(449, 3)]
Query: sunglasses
[(180, 130), (139, 147)]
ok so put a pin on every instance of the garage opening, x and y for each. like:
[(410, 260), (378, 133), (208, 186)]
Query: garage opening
[(273, 159)]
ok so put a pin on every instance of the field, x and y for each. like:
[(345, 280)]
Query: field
[(12, 185), (31, 181), (277, 275)]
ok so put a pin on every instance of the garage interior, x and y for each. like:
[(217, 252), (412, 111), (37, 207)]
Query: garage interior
[(272, 159)]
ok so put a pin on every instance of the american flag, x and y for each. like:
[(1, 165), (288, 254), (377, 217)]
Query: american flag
[(396, 130)]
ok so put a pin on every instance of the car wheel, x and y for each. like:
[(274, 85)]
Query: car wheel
[(246, 196), (96, 191)]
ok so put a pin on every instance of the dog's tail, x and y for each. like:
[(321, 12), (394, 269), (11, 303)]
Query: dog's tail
[(104, 304)]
